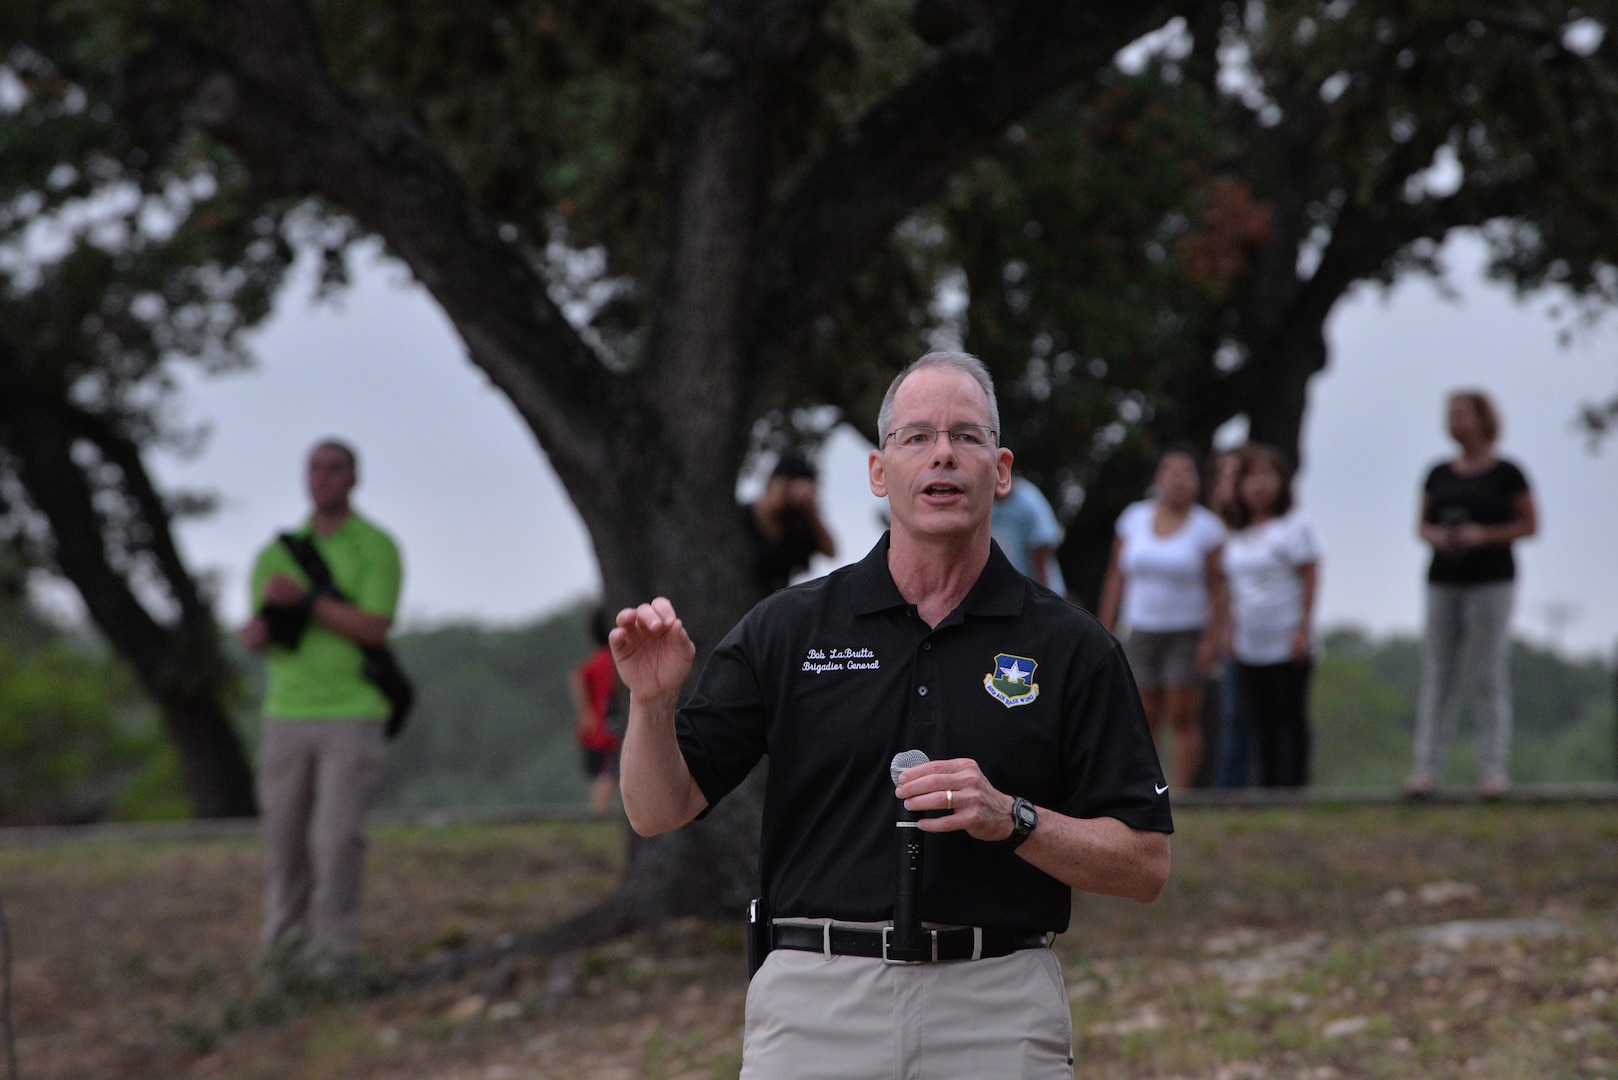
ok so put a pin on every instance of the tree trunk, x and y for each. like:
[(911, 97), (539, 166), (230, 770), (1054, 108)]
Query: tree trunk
[(211, 755), (1275, 410), (688, 545), (1087, 548)]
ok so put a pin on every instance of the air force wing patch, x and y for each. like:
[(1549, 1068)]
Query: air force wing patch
[(1012, 680)]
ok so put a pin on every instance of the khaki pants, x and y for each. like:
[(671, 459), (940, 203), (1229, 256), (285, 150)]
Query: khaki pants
[(813, 1017), (316, 781)]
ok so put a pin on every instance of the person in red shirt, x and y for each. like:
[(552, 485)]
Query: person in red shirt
[(593, 685)]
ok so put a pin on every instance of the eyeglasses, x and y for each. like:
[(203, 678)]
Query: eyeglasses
[(961, 436)]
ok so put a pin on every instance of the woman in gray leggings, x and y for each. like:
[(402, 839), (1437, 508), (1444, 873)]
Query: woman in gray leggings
[(1473, 508)]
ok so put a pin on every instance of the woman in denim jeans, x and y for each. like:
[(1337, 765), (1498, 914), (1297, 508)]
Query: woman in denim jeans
[(1473, 508)]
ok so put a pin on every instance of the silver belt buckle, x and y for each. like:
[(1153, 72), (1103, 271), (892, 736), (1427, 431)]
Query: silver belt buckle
[(886, 959)]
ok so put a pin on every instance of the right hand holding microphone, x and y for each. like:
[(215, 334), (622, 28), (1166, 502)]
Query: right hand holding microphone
[(957, 788)]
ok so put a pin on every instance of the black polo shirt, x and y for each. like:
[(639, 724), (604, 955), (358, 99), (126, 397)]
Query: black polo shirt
[(833, 677)]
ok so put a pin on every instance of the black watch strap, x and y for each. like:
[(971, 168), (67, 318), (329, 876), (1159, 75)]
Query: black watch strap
[(1023, 819)]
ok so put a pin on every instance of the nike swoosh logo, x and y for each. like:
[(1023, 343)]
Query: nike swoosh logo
[(1162, 789)]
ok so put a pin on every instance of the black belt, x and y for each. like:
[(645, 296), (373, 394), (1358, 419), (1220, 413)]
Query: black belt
[(956, 943)]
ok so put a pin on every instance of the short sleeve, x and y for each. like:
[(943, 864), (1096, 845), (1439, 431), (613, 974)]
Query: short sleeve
[(721, 729), (1046, 531), (1113, 769), (1126, 521), (1513, 481), (1210, 530), (1302, 543), (378, 591)]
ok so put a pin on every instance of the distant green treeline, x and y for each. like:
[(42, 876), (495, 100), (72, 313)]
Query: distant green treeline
[(1364, 709), (493, 725)]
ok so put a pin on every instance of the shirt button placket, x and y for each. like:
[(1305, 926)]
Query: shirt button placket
[(927, 686)]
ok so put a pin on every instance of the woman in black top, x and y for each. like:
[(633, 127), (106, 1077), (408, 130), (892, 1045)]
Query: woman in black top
[(1472, 509)]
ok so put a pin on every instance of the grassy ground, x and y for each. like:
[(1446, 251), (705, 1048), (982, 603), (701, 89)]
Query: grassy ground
[(1288, 944)]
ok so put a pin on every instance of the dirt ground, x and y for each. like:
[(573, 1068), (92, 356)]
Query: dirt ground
[(1306, 942)]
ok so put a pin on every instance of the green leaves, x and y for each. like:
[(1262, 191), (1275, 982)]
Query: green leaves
[(72, 739), (1157, 253), (1098, 242)]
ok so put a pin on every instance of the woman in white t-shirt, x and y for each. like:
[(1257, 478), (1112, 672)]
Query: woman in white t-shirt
[(1271, 564), (1163, 586)]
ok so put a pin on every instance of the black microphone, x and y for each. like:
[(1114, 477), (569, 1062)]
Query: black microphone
[(907, 941)]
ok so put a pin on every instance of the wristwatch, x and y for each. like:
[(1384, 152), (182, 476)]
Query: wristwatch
[(1023, 819)]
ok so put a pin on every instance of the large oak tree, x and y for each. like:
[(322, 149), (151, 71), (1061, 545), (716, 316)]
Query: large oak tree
[(732, 166), (653, 223)]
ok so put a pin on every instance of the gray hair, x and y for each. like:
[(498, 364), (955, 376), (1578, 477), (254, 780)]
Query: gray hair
[(954, 361)]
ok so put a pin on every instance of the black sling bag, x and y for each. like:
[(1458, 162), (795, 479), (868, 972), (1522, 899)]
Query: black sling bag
[(381, 667)]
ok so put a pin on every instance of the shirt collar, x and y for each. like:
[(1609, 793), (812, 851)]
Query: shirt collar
[(348, 525), (999, 590)]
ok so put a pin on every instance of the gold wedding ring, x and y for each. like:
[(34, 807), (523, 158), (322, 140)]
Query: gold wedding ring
[(949, 799)]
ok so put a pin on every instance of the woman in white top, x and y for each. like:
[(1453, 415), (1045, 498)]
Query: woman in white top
[(1271, 565), (1163, 585)]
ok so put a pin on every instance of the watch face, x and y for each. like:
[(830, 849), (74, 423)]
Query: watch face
[(1023, 819), (1024, 813)]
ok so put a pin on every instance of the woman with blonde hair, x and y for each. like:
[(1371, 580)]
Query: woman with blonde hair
[(1473, 508)]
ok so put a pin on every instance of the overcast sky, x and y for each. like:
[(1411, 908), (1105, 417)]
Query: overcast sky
[(488, 534)]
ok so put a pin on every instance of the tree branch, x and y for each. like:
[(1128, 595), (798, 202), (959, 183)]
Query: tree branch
[(270, 98), (41, 438), (747, 61), (119, 450), (901, 153)]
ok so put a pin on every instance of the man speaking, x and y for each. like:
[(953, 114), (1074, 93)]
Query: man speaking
[(1040, 774)]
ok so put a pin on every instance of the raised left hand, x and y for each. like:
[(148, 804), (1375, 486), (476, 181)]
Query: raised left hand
[(958, 787)]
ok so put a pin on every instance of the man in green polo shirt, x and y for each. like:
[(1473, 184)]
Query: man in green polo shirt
[(321, 753)]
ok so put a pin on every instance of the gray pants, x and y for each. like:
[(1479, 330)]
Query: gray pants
[(815, 1017), (316, 781), (1466, 653)]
